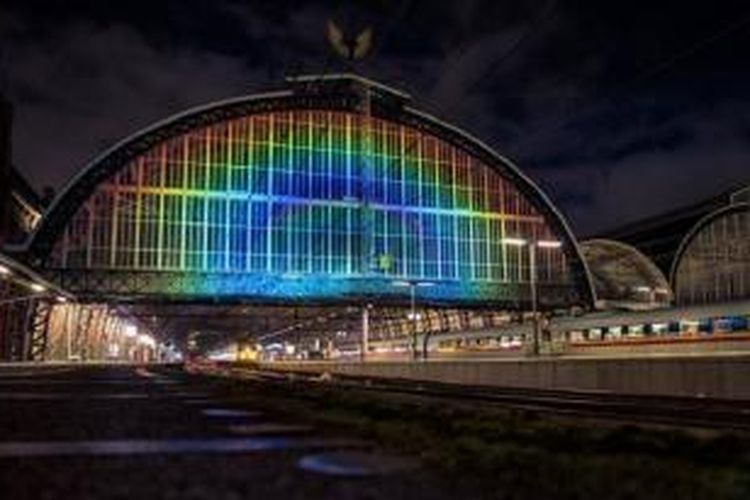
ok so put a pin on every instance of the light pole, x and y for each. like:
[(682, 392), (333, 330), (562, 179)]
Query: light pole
[(413, 316), (532, 246), (365, 332)]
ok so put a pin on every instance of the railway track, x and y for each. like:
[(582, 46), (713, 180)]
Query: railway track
[(677, 411)]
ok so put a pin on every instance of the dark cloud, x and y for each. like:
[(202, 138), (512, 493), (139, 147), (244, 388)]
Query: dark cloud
[(697, 155), (618, 111), (89, 86)]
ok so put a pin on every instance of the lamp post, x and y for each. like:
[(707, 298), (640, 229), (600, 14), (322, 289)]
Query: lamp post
[(365, 332), (413, 316), (532, 246)]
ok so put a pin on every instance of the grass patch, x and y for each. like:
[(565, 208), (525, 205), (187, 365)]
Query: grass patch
[(497, 453)]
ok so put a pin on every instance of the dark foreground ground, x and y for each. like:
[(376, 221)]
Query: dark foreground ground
[(125, 432)]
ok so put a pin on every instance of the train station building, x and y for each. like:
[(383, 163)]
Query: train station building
[(334, 214)]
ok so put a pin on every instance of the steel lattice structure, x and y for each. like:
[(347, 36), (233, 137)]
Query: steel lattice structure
[(331, 191)]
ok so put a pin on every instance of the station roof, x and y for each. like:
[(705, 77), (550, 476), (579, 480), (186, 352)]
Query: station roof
[(660, 236), (624, 277)]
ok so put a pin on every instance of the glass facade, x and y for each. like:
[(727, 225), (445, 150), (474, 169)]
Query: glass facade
[(329, 202), (624, 277)]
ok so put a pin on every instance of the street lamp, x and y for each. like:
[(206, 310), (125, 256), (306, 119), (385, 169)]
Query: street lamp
[(365, 337), (413, 315), (131, 331), (533, 245)]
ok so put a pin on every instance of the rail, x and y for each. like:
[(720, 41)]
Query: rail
[(677, 411)]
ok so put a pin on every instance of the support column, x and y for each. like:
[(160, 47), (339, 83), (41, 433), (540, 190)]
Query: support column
[(365, 331), (70, 319), (534, 307), (27, 330)]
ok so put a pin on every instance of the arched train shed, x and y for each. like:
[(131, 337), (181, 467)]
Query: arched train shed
[(624, 277), (334, 189), (712, 264)]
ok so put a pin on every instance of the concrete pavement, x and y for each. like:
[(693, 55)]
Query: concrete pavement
[(128, 432)]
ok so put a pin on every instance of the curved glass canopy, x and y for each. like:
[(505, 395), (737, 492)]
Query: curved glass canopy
[(313, 204)]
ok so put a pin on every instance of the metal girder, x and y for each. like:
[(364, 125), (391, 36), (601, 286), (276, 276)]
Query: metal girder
[(37, 330), (139, 286)]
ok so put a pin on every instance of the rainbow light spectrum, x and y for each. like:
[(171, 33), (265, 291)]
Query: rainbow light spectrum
[(312, 204)]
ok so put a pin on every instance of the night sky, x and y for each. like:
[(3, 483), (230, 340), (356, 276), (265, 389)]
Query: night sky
[(618, 109)]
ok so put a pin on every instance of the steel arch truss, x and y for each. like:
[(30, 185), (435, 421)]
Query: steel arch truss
[(358, 106)]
